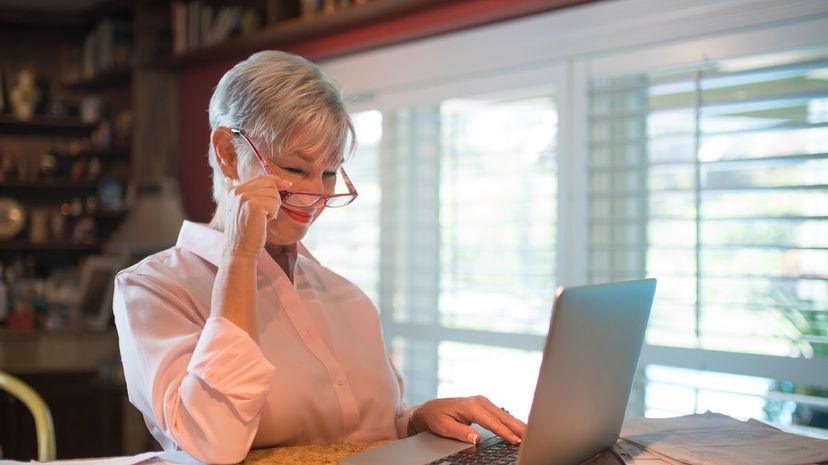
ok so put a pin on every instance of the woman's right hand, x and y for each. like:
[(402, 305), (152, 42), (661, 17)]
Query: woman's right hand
[(249, 207)]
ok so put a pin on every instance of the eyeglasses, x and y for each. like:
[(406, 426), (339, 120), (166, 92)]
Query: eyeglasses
[(305, 199)]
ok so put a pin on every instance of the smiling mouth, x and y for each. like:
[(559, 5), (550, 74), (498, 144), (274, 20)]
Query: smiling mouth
[(299, 217)]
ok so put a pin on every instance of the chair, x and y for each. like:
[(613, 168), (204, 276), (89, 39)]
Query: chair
[(46, 449)]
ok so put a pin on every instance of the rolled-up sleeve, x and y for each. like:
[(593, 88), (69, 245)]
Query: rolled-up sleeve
[(203, 384)]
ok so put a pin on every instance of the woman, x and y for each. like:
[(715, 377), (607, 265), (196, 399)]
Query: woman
[(237, 336)]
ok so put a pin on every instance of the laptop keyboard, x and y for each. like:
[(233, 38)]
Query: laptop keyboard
[(491, 451)]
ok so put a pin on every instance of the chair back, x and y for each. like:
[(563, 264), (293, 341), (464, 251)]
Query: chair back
[(44, 428)]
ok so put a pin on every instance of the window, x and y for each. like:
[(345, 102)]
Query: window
[(714, 179), (497, 213), (470, 241), (663, 156)]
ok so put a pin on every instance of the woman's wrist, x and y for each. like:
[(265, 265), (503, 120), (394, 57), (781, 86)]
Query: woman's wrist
[(238, 257)]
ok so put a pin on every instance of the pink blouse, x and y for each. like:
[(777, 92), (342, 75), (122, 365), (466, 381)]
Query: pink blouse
[(319, 374)]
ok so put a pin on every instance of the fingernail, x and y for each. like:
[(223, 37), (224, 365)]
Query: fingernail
[(519, 440), (473, 437)]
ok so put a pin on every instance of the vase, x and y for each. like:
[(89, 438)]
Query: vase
[(24, 96)]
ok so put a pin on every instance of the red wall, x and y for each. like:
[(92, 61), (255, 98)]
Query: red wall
[(197, 82)]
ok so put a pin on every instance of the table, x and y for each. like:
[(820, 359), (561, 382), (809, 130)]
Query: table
[(327, 454)]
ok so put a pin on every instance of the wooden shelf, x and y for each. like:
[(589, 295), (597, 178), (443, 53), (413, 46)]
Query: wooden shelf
[(41, 125), (62, 184), (51, 245), (116, 152), (115, 77), (295, 30), (69, 19)]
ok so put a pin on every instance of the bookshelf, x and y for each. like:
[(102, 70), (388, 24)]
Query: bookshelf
[(67, 166), (292, 25)]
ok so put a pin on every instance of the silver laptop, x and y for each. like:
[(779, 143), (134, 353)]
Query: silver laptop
[(589, 362)]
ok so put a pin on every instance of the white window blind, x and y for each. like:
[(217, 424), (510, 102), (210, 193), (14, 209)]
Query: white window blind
[(714, 179), (467, 265), (497, 213)]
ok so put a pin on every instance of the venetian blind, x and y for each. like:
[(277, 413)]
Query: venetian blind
[(714, 179)]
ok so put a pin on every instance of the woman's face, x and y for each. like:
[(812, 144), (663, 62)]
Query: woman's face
[(308, 173)]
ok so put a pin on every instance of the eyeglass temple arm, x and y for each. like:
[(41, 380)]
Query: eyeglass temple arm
[(348, 182), (262, 161)]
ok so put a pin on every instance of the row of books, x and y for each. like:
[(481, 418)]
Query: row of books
[(198, 24), (107, 46), (315, 7)]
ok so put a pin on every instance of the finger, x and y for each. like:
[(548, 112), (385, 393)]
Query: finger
[(282, 183), (272, 180), (266, 180), (481, 415), (451, 428), (518, 427), (250, 204), (269, 206), (252, 192), (247, 194)]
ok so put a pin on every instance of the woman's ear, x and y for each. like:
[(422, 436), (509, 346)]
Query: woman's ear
[(221, 139)]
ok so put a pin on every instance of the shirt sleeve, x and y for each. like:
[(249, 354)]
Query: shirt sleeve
[(202, 384)]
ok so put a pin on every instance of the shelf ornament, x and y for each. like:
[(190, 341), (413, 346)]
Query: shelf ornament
[(25, 96)]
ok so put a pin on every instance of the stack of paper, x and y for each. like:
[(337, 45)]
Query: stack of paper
[(714, 439), (633, 454)]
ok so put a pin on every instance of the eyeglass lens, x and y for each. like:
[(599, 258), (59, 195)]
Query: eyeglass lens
[(307, 200)]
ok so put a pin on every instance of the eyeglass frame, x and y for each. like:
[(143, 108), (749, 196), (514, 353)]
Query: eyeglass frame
[(285, 195)]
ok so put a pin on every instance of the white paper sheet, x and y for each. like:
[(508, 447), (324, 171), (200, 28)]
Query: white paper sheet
[(633, 454), (714, 439), (146, 458), (129, 460)]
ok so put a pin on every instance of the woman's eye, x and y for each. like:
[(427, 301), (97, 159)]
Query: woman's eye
[(329, 174), (293, 170)]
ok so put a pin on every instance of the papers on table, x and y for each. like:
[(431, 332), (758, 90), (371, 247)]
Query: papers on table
[(147, 458), (131, 460), (714, 439), (633, 454)]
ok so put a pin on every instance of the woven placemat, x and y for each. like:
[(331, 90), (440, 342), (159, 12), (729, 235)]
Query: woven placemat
[(306, 455)]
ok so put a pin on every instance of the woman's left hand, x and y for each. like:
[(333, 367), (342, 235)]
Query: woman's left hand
[(451, 417)]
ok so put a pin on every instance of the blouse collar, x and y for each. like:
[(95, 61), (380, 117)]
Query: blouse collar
[(208, 243)]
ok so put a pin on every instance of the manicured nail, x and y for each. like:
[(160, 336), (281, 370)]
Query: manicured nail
[(519, 440), (473, 437)]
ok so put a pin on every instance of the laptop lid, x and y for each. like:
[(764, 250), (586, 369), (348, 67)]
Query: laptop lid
[(589, 362)]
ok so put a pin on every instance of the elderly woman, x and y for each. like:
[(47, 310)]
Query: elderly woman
[(236, 336)]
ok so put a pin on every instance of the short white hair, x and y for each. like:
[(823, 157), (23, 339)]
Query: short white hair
[(271, 96)]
